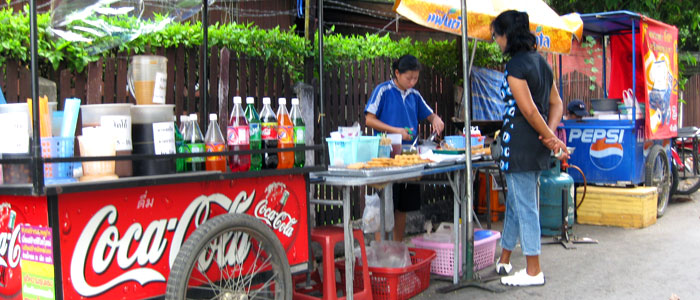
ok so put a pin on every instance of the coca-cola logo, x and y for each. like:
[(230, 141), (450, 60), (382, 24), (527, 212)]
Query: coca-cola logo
[(10, 249), (102, 246)]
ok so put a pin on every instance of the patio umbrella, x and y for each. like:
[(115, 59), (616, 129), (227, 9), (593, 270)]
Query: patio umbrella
[(554, 33)]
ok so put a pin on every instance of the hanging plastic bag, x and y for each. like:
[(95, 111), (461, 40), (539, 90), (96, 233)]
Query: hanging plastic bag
[(371, 221)]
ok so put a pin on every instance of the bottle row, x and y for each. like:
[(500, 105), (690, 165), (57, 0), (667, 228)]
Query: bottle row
[(246, 130)]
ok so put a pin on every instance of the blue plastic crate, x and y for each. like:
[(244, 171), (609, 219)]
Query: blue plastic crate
[(352, 150)]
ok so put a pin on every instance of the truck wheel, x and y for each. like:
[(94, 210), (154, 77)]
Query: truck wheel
[(657, 173), (231, 256)]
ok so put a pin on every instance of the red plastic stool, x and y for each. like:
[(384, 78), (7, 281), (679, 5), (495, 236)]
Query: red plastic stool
[(328, 237)]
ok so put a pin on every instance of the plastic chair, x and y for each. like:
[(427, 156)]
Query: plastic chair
[(328, 237)]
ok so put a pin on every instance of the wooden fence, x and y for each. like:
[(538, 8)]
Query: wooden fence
[(346, 91)]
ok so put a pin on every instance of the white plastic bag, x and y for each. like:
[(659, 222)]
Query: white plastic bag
[(388, 254), (371, 221)]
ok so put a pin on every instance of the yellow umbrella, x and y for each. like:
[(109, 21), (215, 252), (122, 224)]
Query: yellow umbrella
[(554, 33)]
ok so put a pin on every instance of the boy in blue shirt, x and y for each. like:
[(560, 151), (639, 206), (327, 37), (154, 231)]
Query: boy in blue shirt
[(395, 107)]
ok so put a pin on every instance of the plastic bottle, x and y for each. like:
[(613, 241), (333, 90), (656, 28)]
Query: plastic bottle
[(183, 122), (253, 119), (179, 148), (268, 134), (285, 136), (215, 142), (299, 133), (238, 133), (195, 144)]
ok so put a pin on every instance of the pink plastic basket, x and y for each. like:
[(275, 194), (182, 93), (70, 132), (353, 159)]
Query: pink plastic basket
[(443, 264)]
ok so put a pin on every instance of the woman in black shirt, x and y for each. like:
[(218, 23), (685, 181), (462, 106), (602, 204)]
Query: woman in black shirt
[(533, 111)]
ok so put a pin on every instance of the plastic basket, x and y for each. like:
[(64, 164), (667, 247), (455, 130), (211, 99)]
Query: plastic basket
[(55, 147), (395, 283), (484, 252), (351, 150)]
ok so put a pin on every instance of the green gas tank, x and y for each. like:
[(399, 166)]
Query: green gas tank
[(553, 186)]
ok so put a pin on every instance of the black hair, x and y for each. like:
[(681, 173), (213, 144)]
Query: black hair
[(515, 26), (405, 63)]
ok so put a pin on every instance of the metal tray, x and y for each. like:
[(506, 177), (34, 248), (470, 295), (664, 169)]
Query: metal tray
[(374, 171)]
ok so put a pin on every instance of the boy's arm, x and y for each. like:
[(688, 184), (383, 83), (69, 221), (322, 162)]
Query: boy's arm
[(372, 121), (436, 122)]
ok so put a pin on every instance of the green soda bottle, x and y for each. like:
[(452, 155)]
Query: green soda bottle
[(179, 147), (255, 138), (299, 133)]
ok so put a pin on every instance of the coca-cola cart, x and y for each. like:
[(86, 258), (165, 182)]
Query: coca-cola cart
[(189, 235)]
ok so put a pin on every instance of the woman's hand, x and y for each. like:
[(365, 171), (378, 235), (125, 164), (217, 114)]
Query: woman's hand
[(556, 145)]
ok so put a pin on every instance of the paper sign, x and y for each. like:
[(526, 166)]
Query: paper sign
[(164, 138), (37, 263)]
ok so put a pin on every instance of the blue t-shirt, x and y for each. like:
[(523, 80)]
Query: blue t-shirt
[(398, 108)]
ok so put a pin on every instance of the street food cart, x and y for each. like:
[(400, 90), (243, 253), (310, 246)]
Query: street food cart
[(630, 145)]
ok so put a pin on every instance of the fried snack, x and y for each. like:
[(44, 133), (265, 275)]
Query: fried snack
[(356, 166)]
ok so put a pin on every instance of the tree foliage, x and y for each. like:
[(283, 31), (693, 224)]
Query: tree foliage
[(684, 14)]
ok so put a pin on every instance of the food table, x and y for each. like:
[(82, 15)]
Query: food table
[(454, 171)]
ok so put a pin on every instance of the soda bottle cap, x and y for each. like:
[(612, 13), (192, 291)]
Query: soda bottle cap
[(266, 100), (212, 117), (174, 118), (193, 117), (282, 101), (237, 99), (249, 100), (295, 101), (184, 118)]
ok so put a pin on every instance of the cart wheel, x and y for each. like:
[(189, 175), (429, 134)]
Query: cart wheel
[(657, 171), (231, 256), (687, 186), (674, 179)]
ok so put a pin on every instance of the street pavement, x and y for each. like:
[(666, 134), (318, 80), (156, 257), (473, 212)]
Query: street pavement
[(655, 262)]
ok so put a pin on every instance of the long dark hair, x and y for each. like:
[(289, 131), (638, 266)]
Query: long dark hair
[(405, 63), (515, 26)]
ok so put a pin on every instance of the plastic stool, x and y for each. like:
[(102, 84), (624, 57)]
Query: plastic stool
[(328, 237)]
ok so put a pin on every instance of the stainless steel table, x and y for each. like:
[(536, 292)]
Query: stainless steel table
[(454, 173)]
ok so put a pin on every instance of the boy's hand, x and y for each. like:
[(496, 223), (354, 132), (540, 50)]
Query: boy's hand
[(437, 124), (404, 134)]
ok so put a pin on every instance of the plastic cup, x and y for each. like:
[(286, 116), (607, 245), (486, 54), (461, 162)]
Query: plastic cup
[(147, 78), (118, 118), (395, 143), (97, 142)]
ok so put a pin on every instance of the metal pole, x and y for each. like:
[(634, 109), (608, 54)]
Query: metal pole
[(38, 179), (204, 82), (321, 111), (467, 219)]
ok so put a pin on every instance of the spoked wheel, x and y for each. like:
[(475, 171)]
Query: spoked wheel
[(231, 257), (657, 171), (687, 186)]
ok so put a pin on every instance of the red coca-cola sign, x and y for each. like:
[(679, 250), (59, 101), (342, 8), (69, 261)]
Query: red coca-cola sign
[(16, 210), (121, 244)]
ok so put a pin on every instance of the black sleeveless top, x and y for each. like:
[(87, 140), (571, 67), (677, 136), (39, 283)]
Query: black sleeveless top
[(522, 149)]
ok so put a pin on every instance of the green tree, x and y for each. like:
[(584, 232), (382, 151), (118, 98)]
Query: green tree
[(684, 14)]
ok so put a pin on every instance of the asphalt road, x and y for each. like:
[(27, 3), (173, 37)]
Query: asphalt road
[(655, 262)]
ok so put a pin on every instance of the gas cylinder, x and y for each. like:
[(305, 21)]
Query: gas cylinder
[(555, 185)]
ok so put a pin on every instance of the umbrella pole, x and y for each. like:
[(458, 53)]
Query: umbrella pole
[(469, 279)]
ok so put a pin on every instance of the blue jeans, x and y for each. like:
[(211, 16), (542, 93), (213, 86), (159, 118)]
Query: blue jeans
[(522, 213)]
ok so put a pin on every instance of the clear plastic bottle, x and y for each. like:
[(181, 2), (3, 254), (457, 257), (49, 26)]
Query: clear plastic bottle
[(299, 133), (285, 136), (195, 144), (238, 133), (268, 134), (179, 148), (215, 142), (253, 119), (183, 122)]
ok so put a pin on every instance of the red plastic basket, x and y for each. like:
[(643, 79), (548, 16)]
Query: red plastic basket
[(396, 283)]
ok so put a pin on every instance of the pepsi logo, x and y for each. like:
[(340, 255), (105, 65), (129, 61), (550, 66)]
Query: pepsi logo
[(606, 156)]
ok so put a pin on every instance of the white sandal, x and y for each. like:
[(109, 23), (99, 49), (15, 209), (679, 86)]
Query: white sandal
[(521, 278), (503, 269)]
